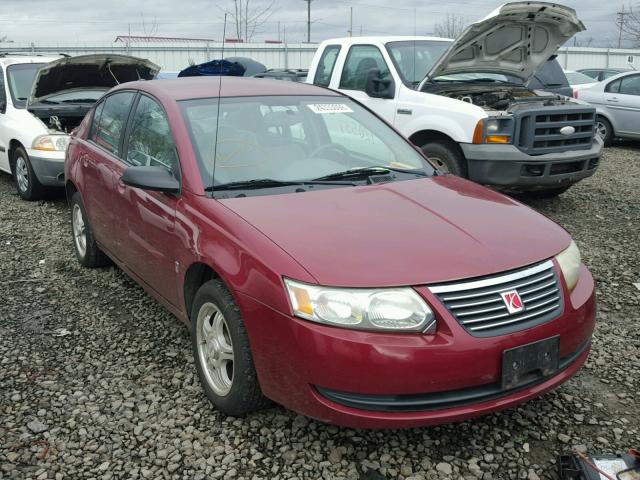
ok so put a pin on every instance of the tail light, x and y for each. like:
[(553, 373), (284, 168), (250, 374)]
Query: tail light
[(575, 93)]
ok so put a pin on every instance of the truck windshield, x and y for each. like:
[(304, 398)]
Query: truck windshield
[(414, 59), (20, 78), (266, 141)]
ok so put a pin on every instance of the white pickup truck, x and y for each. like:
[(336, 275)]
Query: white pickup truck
[(464, 102)]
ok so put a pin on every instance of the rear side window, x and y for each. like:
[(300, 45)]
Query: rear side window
[(109, 121), (606, 75), (360, 60), (630, 85), (151, 142), (325, 66), (613, 87)]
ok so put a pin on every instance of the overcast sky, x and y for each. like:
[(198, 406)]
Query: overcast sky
[(103, 20)]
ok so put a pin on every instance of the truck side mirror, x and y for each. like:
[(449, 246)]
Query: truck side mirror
[(379, 87)]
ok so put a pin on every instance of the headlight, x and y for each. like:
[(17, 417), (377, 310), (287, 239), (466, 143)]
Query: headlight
[(388, 309), (51, 143), (494, 130), (569, 261)]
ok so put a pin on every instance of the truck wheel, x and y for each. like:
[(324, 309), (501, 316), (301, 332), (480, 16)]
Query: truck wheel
[(605, 130), (446, 157), (27, 184), (548, 193), (222, 352), (84, 243)]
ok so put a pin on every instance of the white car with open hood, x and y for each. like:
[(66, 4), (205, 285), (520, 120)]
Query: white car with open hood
[(464, 101), (42, 99)]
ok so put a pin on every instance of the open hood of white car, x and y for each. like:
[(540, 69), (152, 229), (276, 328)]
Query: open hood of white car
[(515, 39), (98, 71)]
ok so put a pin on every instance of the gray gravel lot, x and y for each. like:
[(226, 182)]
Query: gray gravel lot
[(97, 380)]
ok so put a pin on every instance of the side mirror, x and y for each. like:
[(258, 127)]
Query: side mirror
[(157, 179), (378, 87)]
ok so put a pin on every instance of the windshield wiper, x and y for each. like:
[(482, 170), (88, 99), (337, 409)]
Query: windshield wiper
[(268, 183), (365, 172)]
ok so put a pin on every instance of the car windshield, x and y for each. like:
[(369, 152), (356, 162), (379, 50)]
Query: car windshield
[(20, 77), (266, 141), (414, 59)]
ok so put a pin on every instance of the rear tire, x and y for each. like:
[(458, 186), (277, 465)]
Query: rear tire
[(605, 130), (446, 157), (27, 184), (222, 352), (84, 243)]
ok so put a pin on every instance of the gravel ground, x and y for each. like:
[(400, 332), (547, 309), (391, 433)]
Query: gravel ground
[(97, 380)]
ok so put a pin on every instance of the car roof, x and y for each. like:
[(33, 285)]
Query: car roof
[(187, 88), (382, 39)]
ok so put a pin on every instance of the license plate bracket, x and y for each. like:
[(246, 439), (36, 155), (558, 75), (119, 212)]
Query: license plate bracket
[(527, 363)]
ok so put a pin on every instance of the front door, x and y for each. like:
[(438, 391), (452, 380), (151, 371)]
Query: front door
[(147, 219)]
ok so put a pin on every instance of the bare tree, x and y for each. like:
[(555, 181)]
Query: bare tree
[(628, 21), (5, 39), (248, 19), (450, 26), (150, 29)]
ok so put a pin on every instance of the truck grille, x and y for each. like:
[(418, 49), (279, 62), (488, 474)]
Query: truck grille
[(479, 307), (539, 131)]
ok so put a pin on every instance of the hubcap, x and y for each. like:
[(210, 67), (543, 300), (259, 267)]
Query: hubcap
[(22, 174), (215, 348), (79, 230), (601, 128)]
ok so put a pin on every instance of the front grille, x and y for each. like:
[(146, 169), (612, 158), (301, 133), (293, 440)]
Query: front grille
[(478, 306), (539, 131)]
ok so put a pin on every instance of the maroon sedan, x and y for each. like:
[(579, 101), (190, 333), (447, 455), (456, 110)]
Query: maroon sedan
[(319, 259)]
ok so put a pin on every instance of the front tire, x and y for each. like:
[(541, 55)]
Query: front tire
[(84, 243), (27, 184), (605, 130), (222, 352), (447, 158)]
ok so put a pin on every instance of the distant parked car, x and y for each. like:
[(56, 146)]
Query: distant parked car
[(578, 81), (320, 260), (617, 102), (550, 78), (42, 99), (600, 74), (292, 75)]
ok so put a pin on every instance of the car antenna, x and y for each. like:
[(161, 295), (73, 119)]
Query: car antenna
[(215, 144)]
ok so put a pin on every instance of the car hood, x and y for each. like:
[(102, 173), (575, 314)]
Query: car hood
[(403, 233), (515, 39), (89, 72)]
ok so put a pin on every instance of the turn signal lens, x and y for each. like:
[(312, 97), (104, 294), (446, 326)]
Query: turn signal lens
[(497, 139), (478, 132)]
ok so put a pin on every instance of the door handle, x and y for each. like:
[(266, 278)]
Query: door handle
[(85, 160), (612, 99)]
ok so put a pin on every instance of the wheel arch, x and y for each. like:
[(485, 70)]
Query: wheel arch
[(422, 137), (197, 274), (14, 144), (70, 189), (608, 117)]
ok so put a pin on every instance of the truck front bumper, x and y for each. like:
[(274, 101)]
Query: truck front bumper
[(506, 166)]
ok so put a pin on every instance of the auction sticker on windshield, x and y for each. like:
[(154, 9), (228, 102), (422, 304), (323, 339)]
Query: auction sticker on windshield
[(329, 108)]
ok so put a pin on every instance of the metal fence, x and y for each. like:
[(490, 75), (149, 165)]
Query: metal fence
[(175, 57)]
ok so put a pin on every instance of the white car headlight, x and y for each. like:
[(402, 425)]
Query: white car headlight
[(569, 261), (388, 309), (51, 143)]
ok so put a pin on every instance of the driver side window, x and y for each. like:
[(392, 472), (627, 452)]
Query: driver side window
[(361, 59), (151, 143)]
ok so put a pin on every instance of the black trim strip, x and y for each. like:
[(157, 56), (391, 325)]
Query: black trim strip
[(439, 400)]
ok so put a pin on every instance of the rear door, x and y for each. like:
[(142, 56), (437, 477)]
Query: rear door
[(101, 165), (146, 219), (622, 98)]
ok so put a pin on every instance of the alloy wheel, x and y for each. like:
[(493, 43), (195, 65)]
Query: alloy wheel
[(601, 129), (22, 174), (215, 348), (79, 230)]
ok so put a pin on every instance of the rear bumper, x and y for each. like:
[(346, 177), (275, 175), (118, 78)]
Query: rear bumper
[(507, 166), (319, 371), (48, 167)]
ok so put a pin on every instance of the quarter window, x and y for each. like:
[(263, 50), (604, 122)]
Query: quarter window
[(111, 117), (325, 66), (613, 87), (151, 143), (360, 60), (630, 85)]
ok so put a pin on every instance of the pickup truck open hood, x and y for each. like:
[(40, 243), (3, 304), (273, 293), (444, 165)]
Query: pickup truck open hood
[(515, 39), (89, 72)]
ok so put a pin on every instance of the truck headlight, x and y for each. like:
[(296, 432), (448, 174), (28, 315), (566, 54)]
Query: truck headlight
[(51, 143), (569, 261), (387, 309), (494, 130)]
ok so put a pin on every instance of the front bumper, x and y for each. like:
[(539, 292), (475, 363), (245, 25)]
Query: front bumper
[(302, 365), (507, 166), (48, 167)]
